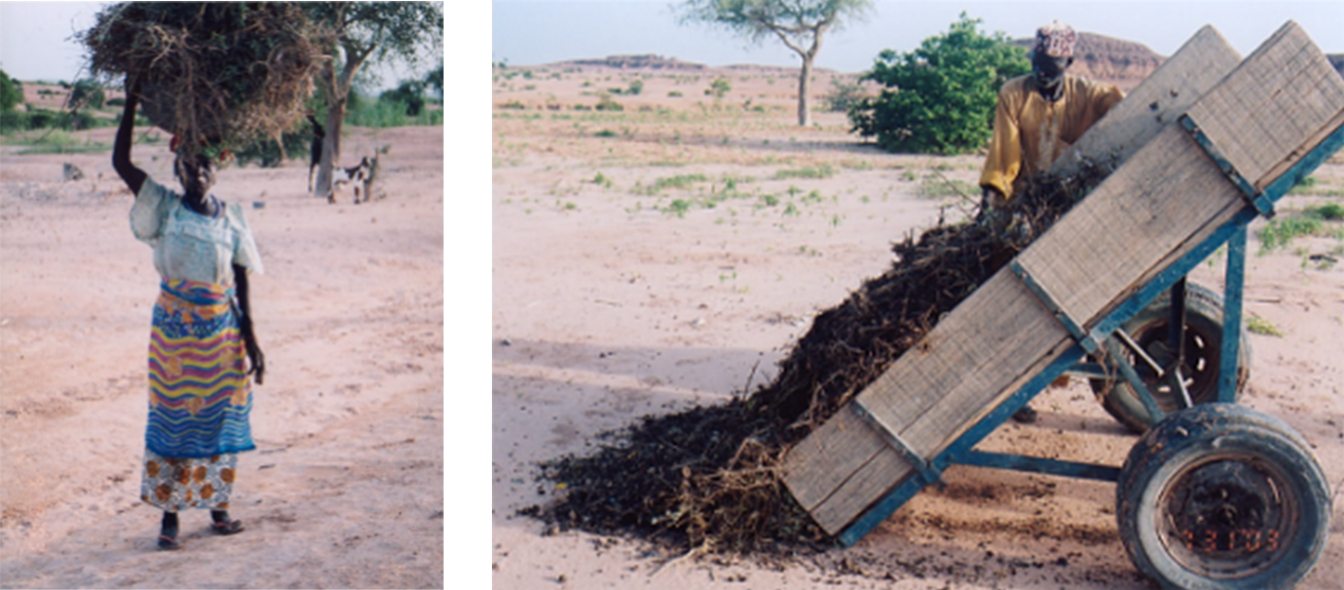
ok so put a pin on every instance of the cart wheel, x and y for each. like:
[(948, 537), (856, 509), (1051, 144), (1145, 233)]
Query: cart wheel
[(1221, 497), (1203, 346)]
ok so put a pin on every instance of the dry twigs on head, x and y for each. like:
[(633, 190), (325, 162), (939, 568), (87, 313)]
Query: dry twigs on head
[(213, 74)]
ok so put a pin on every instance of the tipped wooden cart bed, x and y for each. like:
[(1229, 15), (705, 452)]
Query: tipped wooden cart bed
[(1205, 145)]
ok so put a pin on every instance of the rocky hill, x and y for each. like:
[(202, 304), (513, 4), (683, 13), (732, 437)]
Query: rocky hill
[(1107, 59), (646, 61)]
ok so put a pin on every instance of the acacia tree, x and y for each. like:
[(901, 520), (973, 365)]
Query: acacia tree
[(799, 24), (362, 33)]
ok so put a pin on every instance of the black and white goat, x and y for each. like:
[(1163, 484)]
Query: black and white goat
[(355, 176)]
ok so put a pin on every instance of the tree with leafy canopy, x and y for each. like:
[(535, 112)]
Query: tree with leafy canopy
[(410, 94), (11, 92), (939, 98), (434, 79), (799, 24), (366, 32), (86, 93)]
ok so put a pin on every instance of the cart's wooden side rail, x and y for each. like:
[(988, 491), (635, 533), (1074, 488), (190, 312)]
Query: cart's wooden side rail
[(1157, 207)]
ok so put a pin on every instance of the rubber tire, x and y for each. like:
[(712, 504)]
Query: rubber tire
[(1196, 438), (1204, 333)]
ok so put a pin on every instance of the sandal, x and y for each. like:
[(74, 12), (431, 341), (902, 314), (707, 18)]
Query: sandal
[(227, 528), (167, 543)]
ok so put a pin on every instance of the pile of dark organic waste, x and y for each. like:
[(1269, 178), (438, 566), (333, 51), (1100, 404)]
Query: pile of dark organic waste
[(707, 478)]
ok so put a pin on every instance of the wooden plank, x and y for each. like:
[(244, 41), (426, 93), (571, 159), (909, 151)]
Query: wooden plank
[(1152, 210), (1287, 77), (872, 481), (1131, 221), (968, 358), (837, 449), (1197, 66), (937, 378)]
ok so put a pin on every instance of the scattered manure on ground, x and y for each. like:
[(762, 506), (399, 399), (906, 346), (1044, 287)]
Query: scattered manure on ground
[(707, 479)]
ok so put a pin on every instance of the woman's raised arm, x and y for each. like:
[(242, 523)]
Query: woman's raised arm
[(121, 150)]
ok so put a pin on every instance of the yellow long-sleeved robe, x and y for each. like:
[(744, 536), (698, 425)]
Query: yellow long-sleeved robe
[(1031, 132)]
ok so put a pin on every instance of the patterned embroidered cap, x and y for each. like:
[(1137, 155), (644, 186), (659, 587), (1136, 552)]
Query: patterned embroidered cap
[(1056, 40)]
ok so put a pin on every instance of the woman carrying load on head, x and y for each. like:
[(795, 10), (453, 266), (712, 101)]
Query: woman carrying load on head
[(199, 388)]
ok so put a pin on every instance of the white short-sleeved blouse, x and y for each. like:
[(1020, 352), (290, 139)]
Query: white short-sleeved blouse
[(188, 245)]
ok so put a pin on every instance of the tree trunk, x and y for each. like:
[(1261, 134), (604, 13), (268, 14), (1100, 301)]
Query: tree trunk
[(804, 81), (331, 146), (337, 90)]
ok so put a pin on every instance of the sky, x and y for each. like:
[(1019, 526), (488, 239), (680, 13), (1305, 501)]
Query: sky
[(36, 44), (35, 37), (535, 32)]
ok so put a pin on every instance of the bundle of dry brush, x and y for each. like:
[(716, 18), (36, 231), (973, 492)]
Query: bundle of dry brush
[(210, 73), (708, 478)]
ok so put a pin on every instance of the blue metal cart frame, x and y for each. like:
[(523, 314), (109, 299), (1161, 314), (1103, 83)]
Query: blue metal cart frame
[(1233, 233)]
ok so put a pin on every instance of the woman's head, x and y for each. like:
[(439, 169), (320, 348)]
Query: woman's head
[(197, 174)]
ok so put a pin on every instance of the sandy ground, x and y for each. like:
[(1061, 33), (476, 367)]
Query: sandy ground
[(346, 488), (618, 294)]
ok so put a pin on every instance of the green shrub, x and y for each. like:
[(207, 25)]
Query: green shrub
[(939, 98), (392, 113), (265, 152), (12, 121), (607, 104), (86, 93), (718, 88), (843, 96), (1328, 211), (11, 92), (409, 93), (46, 119)]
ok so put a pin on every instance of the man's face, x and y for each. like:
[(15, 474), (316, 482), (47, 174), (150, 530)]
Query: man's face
[(1049, 71)]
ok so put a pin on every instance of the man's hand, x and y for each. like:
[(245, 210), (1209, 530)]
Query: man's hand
[(992, 207)]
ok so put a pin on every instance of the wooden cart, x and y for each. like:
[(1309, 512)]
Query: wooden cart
[(1214, 495)]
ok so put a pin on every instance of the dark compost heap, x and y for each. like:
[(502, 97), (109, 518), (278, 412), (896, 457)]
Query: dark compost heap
[(212, 74), (707, 478)]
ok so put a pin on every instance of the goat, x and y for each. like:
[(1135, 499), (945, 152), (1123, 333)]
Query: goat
[(355, 176), (315, 150)]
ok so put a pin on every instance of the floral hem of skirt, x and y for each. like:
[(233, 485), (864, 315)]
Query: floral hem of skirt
[(179, 484)]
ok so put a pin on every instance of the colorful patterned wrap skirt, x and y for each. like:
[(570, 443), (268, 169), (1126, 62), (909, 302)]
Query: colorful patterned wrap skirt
[(175, 485), (199, 393)]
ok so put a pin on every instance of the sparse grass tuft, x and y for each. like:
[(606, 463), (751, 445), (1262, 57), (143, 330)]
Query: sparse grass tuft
[(680, 181), (53, 141), (937, 187), (678, 207), (1312, 221), (1258, 325), (822, 171)]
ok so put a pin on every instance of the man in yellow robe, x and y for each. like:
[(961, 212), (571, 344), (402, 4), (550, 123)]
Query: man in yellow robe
[(1038, 117)]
